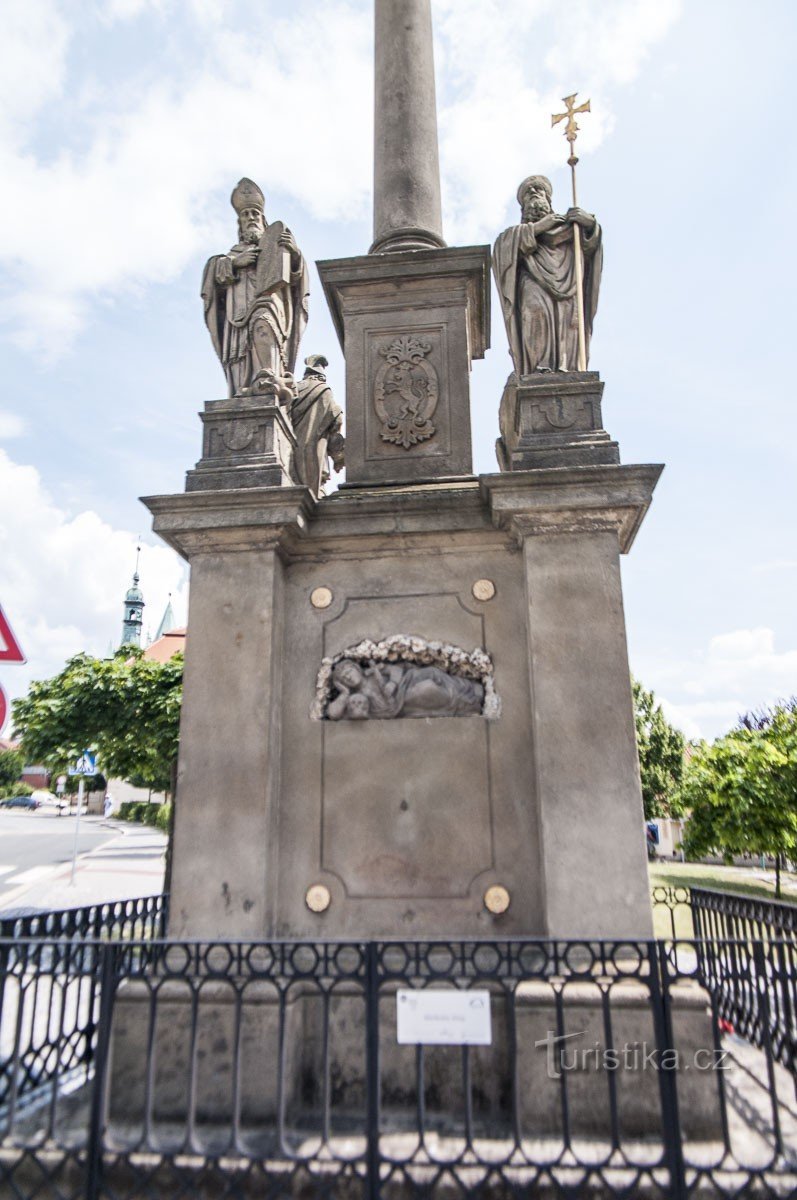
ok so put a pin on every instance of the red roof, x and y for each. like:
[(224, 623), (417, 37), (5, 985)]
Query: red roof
[(167, 646)]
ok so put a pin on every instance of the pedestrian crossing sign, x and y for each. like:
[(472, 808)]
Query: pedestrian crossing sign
[(85, 765)]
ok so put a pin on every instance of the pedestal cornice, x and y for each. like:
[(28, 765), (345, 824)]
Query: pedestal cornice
[(560, 500), (233, 519), (456, 262)]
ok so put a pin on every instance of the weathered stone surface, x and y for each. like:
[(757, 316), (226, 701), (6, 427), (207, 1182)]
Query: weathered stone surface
[(407, 823), (256, 295), (534, 264), (410, 324), (407, 214), (317, 422), (553, 419), (404, 676), (237, 1049), (246, 442)]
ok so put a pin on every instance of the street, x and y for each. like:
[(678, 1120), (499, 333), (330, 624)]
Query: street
[(116, 860)]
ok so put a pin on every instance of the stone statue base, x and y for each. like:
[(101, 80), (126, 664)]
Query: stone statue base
[(410, 324), (240, 1044), (553, 419), (246, 442), (455, 824)]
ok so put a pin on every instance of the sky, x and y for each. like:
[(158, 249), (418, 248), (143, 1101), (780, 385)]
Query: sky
[(124, 125)]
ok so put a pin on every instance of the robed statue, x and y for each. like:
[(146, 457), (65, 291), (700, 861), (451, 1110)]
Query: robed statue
[(256, 296), (317, 421), (535, 272)]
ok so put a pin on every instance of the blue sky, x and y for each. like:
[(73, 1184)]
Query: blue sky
[(124, 126)]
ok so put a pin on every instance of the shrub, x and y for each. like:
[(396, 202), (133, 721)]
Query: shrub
[(156, 815), (16, 789), (163, 816)]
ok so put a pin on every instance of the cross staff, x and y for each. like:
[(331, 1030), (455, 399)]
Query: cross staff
[(571, 133)]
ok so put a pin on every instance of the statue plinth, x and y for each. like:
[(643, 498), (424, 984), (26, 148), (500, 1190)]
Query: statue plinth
[(246, 442), (410, 324), (553, 419)]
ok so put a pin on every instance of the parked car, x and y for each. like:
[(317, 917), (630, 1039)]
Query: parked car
[(20, 802)]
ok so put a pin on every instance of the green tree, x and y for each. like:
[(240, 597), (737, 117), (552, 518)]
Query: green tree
[(125, 708), (742, 790), (11, 764), (661, 756)]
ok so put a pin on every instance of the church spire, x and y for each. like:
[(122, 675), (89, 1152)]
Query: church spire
[(133, 618)]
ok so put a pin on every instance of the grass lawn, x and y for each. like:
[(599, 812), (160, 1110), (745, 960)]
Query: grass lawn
[(744, 881)]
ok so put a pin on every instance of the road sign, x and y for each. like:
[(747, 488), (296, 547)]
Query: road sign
[(10, 649), (3, 708), (85, 765)]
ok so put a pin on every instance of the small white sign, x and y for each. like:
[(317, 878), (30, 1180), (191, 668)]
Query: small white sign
[(443, 1017)]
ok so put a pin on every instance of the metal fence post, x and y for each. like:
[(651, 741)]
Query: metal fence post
[(107, 973), (662, 1023), (372, 1188)]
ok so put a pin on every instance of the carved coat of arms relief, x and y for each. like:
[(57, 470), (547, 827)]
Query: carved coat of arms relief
[(406, 392)]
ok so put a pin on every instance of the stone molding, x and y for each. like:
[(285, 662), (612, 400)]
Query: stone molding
[(553, 419), (432, 266), (255, 518), (564, 500), (246, 442), (484, 511)]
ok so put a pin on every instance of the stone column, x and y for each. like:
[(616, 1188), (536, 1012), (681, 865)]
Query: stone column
[(572, 524), (407, 213), (224, 876)]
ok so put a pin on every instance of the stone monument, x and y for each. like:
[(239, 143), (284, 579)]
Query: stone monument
[(407, 706)]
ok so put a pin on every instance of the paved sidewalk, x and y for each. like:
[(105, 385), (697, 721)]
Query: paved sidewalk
[(129, 865)]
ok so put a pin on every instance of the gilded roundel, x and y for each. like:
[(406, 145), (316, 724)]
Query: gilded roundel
[(406, 392)]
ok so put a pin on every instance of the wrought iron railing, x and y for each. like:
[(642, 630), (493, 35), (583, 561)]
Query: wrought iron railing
[(119, 920), (145, 1069), (754, 992)]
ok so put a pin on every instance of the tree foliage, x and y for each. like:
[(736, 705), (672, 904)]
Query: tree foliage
[(125, 708), (11, 764), (661, 756), (742, 790)]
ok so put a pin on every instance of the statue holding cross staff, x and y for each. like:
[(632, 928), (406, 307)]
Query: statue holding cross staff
[(548, 270)]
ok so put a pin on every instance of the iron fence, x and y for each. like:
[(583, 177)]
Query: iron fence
[(146, 1069), (707, 914), (120, 920)]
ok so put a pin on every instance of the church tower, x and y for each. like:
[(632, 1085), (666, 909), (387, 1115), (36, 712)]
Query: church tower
[(133, 617)]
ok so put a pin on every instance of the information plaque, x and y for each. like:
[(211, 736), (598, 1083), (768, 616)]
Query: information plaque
[(443, 1017)]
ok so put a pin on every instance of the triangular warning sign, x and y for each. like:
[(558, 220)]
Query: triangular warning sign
[(10, 649)]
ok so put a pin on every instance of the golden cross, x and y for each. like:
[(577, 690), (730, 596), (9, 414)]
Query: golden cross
[(571, 133), (571, 128)]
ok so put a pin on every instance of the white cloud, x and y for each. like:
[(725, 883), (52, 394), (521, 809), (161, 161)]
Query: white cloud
[(500, 89), (63, 577), (11, 425), (34, 38), (142, 191), (735, 673), (143, 197)]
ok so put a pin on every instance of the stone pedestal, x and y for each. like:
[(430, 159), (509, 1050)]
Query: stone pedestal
[(410, 324), (215, 1058), (408, 823), (553, 419), (246, 442)]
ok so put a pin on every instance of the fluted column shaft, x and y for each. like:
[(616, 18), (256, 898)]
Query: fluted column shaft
[(407, 213)]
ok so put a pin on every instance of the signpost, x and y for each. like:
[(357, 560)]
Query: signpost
[(10, 652), (10, 649), (86, 766)]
